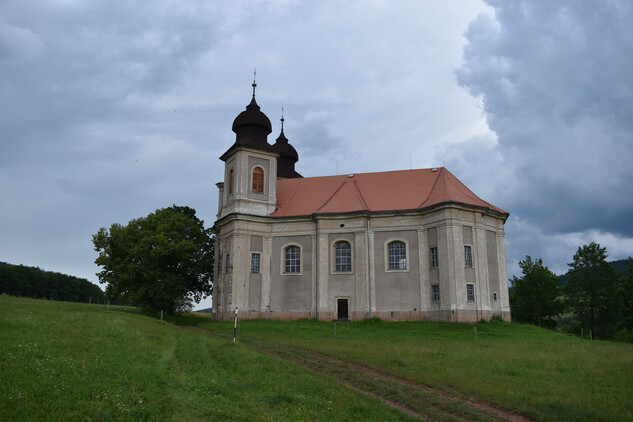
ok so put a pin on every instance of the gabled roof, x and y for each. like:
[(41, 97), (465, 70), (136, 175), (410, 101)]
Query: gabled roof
[(374, 192)]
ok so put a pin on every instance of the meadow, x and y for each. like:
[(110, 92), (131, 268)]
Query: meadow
[(68, 361)]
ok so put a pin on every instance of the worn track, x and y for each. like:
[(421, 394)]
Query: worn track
[(413, 399)]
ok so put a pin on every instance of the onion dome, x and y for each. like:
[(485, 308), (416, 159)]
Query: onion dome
[(252, 127), (287, 158)]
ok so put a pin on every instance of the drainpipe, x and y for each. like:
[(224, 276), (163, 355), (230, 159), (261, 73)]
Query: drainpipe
[(368, 265), (316, 267)]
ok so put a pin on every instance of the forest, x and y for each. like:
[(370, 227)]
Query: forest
[(20, 280)]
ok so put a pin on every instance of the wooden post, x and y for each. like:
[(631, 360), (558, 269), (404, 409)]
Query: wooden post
[(235, 326), (582, 333), (89, 300), (475, 333), (161, 315)]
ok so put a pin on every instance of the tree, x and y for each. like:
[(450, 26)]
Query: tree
[(626, 294), (534, 298), (592, 290), (158, 262)]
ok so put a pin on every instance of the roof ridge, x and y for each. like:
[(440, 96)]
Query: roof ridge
[(432, 189), (294, 192), (361, 196), (331, 196)]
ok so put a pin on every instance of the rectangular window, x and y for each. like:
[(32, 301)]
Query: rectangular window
[(468, 256), (470, 292), (434, 261), (397, 252), (435, 290), (292, 259), (255, 258), (228, 263), (343, 257)]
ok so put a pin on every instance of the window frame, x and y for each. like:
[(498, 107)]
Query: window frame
[(435, 295), (348, 266), (231, 181), (284, 261), (259, 262), (263, 178), (388, 260), (470, 295), (434, 257), (468, 256)]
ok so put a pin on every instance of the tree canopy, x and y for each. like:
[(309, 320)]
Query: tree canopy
[(534, 297), (592, 290), (160, 262)]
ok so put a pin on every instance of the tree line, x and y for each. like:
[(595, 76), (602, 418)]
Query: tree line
[(595, 299), (19, 280)]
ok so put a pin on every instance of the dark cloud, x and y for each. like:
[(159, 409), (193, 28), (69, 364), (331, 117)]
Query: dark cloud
[(554, 78)]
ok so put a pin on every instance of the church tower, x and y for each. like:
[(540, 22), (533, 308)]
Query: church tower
[(250, 170)]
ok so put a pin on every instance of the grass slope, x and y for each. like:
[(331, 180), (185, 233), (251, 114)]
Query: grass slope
[(64, 361), (538, 373), (75, 361)]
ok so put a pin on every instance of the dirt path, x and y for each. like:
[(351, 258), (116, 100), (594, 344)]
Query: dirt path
[(413, 399)]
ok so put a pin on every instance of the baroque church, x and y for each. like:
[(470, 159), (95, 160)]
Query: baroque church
[(397, 245)]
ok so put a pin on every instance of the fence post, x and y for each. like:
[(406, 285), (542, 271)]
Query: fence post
[(235, 326)]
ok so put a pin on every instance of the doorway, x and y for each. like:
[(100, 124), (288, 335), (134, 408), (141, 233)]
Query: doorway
[(342, 307)]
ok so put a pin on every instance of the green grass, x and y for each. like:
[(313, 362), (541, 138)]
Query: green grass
[(65, 361), (538, 373)]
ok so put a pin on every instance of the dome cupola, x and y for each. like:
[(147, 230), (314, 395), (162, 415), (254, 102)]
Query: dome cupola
[(288, 156), (252, 127)]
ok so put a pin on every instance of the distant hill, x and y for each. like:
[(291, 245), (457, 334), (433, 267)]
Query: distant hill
[(205, 311), (621, 266), (20, 280)]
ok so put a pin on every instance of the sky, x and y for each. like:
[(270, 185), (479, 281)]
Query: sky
[(110, 110)]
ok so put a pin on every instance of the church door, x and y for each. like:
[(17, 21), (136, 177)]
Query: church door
[(343, 311)]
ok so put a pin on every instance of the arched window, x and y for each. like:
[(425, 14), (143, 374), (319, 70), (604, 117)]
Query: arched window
[(342, 257), (397, 255), (231, 177), (258, 179), (292, 259)]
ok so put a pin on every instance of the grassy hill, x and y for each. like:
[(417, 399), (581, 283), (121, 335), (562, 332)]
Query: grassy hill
[(66, 361)]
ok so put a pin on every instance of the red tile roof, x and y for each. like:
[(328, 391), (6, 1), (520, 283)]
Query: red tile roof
[(374, 192)]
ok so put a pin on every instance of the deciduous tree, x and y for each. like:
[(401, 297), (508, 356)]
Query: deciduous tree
[(592, 290), (535, 296), (157, 262)]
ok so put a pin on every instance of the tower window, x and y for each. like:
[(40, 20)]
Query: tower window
[(231, 178), (343, 257), (258, 179), (397, 252)]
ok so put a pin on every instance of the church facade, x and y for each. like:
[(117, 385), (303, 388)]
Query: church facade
[(400, 245)]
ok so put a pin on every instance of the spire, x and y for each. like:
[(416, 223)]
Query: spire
[(254, 82), (282, 118), (288, 158)]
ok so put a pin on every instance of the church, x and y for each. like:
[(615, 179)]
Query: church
[(396, 245)]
